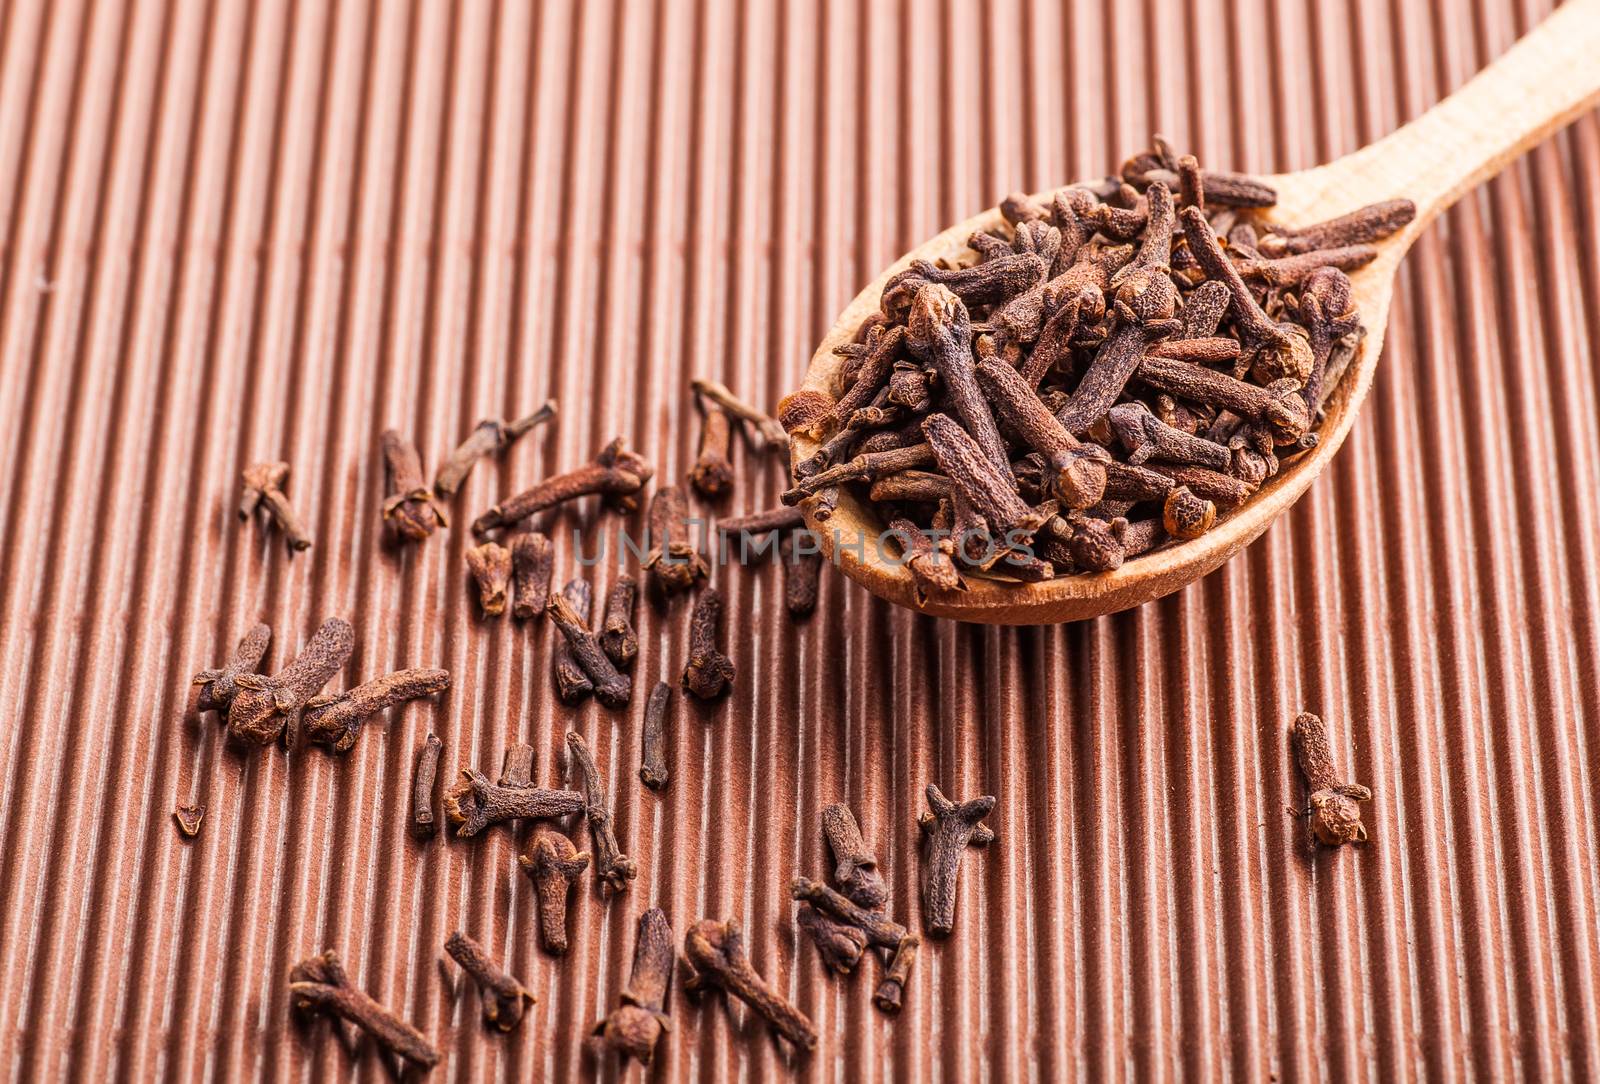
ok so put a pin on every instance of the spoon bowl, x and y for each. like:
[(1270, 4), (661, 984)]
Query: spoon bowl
[(1537, 87)]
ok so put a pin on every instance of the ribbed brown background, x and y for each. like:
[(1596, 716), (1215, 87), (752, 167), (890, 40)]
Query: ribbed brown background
[(237, 231)]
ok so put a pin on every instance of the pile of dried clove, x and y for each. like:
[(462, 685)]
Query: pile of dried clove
[(1111, 370)]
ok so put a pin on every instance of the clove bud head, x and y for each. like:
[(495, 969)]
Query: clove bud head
[(1335, 817)]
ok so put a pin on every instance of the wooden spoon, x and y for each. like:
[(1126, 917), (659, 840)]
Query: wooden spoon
[(1540, 85)]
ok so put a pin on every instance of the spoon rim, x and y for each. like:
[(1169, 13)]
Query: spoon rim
[(1072, 596)]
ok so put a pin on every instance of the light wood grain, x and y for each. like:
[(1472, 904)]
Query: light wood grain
[(1539, 85)]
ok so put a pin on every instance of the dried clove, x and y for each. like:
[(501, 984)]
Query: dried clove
[(320, 984), (617, 638), (880, 930), (490, 565), (1185, 515), (1078, 470), (634, 1028), (489, 435), (932, 568), (263, 488), (616, 473), (532, 562), (716, 956), (1146, 437), (611, 687), (1331, 803), (1363, 226), (409, 509), (838, 943), (422, 780), (653, 740), (268, 708), (504, 998), (855, 867), (950, 828), (802, 565), (214, 690), (188, 818), (709, 672), (674, 560), (613, 868), (516, 767), (712, 472), (1278, 404), (940, 332), (757, 524), (555, 865), (335, 719), (758, 422), (473, 803), (572, 681)]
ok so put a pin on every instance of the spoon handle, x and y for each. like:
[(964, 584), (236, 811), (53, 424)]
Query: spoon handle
[(1540, 85)]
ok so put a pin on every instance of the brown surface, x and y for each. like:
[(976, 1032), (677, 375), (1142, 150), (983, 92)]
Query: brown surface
[(234, 232)]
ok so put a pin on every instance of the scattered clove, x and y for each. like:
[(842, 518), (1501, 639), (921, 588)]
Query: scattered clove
[(214, 690), (838, 943), (335, 719), (268, 708), (880, 930), (532, 562), (634, 1028), (263, 488), (712, 472), (766, 434), (716, 956), (555, 865), (504, 998), (320, 984), (611, 687), (422, 780), (490, 565), (617, 638), (855, 868), (613, 868), (516, 767), (473, 803), (616, 473), (409, 509), (674, 560), (950, 828), (489, 435), (188, 818), (653, 741), (572, 681), (802, 566), (1335, 818), (709, 672)]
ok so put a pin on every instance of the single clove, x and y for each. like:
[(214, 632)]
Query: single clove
[(1362, 226), (1078, 473), (1278, 404), (489, 435), (613, 868), (473, 803), (880, 930), (716, 956), (712, 472), (1146, 437), (933, 569), (532, 562), (423, 824), (490, 565), (572, 681), (409, 509), (263, 488), (616, 473), (802, 565), (653, 771), (855, 867), (555, 865), (516, 767), (1185, 515), (1331, 804), (950, 828), (940, 332), (504, 998), (617, 637), (634, 1028), (321, 984), (674, 561), (768, 435), (611, 687), (268, 708), (188, 818), (214, 690), (709, 672), (838, 943), (335, 719)]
